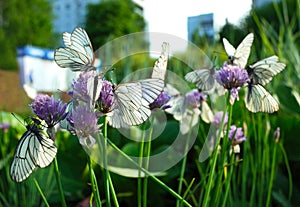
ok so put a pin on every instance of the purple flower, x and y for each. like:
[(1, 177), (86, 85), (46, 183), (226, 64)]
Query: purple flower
[(85, 124), (194, 97), (232, 78), (236, 134), (218, 119), (4, 126), (160, 101), (80, 87), (106, 98), (48, 109), (85, 120)]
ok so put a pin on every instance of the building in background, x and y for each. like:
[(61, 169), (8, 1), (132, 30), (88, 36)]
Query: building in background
[(203, 24), (68, 14), (39, 73), (258, 3)]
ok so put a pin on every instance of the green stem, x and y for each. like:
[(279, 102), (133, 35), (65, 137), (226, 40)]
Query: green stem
[(183, 166), (139, 179), (95, 189), (41, 192), (147, 155), (114, 196), (59, 185), (106, 171), (272, 176), (228, 179), (215, 155), (149, 174), (286, 161)]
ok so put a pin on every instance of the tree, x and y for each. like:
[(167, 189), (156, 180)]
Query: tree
[(110, 19), (23, 23)]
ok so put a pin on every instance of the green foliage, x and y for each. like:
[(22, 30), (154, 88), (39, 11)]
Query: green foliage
[(232, 33), (111, 19), (23, 23)]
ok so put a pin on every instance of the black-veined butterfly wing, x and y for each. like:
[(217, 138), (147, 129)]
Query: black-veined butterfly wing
[(94, 86), (79, 41), (258, 99), (160, 65), (263, 71), (78, 55), (203, 78), (240, 55), (34, 149), (131, 103)]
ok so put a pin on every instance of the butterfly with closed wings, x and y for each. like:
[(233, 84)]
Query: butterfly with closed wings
[(35, 149), (258, 99), (203, 78), (240, 55), (78, 53)]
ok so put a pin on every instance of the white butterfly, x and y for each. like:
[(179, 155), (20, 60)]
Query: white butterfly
[(258, 99), (263, 71), (240, 55), (78, 55), (203, 78), (34, 149), (131, 100), (160, 65), (187, 116)]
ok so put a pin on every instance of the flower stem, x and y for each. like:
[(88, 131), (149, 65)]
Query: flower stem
[(149, 174), (106, 171), (59, 185), (139, 179), (95, 189), (148, 152), (273, 170), (215, 156), (184, 163), (41, 192)]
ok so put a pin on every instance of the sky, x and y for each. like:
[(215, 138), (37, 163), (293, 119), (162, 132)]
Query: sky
[(170, 16)]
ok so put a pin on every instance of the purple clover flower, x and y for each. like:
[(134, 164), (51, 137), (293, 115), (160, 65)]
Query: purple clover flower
[(85, 124), (237, 134), (80, 87), (194, 97), (161, 101), (218, 119), (4, 126), (232, 78), (48, 109), (106, 98)]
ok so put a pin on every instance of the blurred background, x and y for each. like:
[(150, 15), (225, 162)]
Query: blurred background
[(31, 30)]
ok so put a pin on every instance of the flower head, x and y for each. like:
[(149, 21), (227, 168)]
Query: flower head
[(106, 98), (80, 87), (218, 119), (48, 109), (161, 101), (237, 134), (85, 123), (194, 97), (4, 126), (232, 77)]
